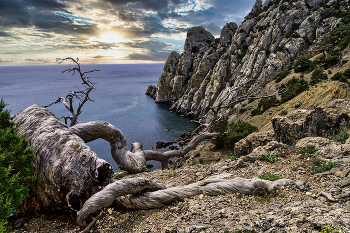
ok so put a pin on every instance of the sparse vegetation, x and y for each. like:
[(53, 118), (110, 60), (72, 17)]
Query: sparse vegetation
[(280, 76), (270, 177), (294, 87), (233, 158), (341, 137), (265, 104), (172, 174), (303, 64), (270, 158), (308, 151), (238, 130), (118, 176), (323, 168), (317, 76)]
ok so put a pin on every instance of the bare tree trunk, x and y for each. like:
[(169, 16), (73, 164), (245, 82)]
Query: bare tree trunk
[(67, 171), (133, 161), (118, 192)]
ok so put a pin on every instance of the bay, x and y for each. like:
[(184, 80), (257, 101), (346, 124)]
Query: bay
[(119, 98)]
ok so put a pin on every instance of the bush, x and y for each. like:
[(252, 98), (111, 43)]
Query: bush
[(337, 76), (303, 64), (280, 76), (238, 130), (317, 76), (295, 86), (343, 79), (270, 158), (341, 137), (15, 159), (265, 104), (270, 177), (325, 167)]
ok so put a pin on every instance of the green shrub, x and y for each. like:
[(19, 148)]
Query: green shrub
[(15, 159), (118, 176), (270, 177), (317, 76), (270, 158), (337, 76), (307, 151), (347, 73), (233, 158), (294, 87), (341, 137), (283, 113), (265, 104), (343, 79), (325, 167), (238, 130), (280, 76), (196, 154), (303, 64)]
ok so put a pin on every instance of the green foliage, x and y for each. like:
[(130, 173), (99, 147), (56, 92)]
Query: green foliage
[(337, 76), (220, 126), (118, 176), (280, 76), (265, 104), (341, 137), (233, 158), (308, 151), (222, 192), (196, 154), (270, 177), (343, 79), (270, 158), (303, 64), (15, 159), (294, 87), (317, 76), (238, 130), (198, 165), (172, 174), (327, 229), (283, 113), (323, 168)]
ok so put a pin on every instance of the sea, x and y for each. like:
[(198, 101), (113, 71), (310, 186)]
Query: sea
[(118, 98)]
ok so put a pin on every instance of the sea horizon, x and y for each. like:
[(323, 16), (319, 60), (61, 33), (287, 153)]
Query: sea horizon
[(119, 97)]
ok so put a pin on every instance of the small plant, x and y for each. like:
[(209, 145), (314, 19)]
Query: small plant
[(325, 167), (317, 76), (283, 113), (198, 165), (270, 177), (308, 151), (341, 137), (222, 192), (196, 154), (270, 158), (327, 229), (233, 158), (118, 176), (172, 174), (239, 130)]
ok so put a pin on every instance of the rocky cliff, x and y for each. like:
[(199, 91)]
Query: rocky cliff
[(271, 37)]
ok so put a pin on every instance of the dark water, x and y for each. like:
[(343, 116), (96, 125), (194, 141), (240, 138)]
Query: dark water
[(119, 99)]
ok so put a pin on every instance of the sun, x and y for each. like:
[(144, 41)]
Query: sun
[(111, 37)]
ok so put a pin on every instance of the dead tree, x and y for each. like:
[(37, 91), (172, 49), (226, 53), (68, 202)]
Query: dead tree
[(82, 95)]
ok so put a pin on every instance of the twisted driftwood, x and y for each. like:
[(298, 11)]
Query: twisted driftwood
[(117, 192), (67, 171), (133, 161)]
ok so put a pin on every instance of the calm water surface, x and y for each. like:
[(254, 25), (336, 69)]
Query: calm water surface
[(119, 98)]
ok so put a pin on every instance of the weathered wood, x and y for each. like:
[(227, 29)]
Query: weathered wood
[(119, 191), (65, 168)]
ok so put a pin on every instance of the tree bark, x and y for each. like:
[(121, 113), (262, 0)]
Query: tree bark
[(67, 171), (119, 191)]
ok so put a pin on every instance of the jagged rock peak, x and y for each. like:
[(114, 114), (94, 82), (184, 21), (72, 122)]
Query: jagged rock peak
[(172, 61), (196, 37), (227, 32), (257, 6)]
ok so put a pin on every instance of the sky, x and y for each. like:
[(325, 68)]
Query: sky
[(107, 31)]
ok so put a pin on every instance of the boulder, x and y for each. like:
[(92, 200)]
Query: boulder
[(326, 120), (246, 145)]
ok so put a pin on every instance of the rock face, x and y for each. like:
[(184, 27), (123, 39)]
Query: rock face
[(272, 36), (151, 91), (326, 120)]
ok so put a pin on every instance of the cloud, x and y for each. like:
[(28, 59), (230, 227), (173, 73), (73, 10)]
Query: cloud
[(149, 29), (39, 60)]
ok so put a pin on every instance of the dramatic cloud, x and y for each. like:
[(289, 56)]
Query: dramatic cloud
[(109, 31)]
